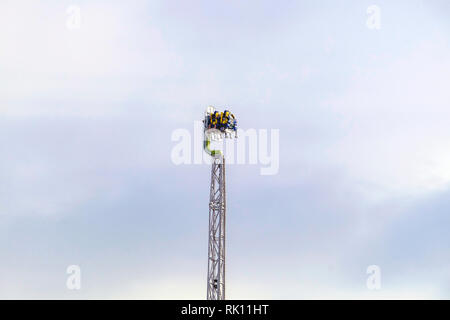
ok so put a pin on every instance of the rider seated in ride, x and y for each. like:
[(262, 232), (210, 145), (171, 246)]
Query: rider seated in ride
[(225, 118), (215, 119), (231, 123)]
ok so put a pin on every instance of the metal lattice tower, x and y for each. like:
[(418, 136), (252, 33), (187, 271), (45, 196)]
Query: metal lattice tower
[(216, 243)]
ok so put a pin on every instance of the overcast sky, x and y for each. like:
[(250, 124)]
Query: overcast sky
[(86, 176)]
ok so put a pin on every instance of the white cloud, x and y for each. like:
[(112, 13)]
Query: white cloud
[(50, 69), (394, 120)]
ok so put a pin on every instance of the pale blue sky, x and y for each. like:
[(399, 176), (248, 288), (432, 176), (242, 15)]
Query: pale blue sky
[(86, 177)]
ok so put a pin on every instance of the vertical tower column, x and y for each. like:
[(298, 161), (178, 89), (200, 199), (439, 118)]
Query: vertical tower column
[(216, 243)]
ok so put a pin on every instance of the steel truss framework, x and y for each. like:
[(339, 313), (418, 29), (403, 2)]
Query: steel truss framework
[(216, 243)]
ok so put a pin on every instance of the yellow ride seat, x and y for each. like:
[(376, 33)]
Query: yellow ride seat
[(224, 117)]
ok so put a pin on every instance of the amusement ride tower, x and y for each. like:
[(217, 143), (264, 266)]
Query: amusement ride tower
[(217, 126)]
